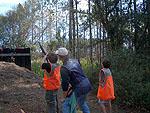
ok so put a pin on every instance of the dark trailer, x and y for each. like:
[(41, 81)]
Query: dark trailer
[(21, 56)]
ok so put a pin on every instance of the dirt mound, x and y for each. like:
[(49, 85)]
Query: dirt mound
[(20, 89)]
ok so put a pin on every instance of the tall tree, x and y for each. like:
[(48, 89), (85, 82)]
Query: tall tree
[(78, 42), (74, 34), (148, 25), (102, 11), (91, 44), (70, 23), (135, 27)]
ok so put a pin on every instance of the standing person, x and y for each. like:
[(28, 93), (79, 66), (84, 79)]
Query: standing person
[(106, 88), (51, 81), (72, 74)]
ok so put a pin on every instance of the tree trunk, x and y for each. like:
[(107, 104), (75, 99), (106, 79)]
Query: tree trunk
[(103, 43), (42, 23), (100, 46), (148, 25), (91, 47), (50, 27), (135, 27), (56, 21), (97, 43), (78, 42), (74, 38), (32, 23), (70, 25), (131, 41), (85, 47)]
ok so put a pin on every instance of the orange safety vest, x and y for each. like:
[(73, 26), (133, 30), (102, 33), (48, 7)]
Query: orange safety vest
[(52, 80), (106, 89)]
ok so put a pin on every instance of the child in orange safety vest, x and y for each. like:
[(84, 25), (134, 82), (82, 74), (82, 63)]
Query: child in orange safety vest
[(106, 88), (51, 81)]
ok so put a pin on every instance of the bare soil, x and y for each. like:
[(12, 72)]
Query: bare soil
[(21, 92)]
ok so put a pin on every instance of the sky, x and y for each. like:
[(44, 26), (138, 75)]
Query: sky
[(6, 5)]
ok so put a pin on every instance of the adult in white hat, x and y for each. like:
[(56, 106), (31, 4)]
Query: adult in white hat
[(72, 74)]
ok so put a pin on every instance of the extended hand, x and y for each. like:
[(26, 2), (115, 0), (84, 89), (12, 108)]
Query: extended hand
[(62, 100)]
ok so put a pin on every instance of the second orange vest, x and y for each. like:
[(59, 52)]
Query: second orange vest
[(52, 80), (106, 89)]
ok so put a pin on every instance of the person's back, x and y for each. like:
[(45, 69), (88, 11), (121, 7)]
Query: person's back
[(51, 81), (72, 74), (106, 88), (79, 81)]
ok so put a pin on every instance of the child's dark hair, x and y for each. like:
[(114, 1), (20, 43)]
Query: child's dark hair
[(52, 57), (106, 63)]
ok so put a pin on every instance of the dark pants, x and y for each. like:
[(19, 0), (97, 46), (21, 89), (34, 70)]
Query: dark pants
[(51, 99)]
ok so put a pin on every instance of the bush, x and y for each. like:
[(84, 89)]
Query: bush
[(92, 72), (131, 73), (36, 68)]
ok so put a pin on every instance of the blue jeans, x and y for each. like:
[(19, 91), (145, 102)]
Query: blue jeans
[(81, 101)]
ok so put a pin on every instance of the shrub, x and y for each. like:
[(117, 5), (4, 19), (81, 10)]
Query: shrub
[(36, 68), (131, 73), (92, 72)]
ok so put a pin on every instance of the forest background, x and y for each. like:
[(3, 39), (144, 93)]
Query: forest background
[(118, 30)]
